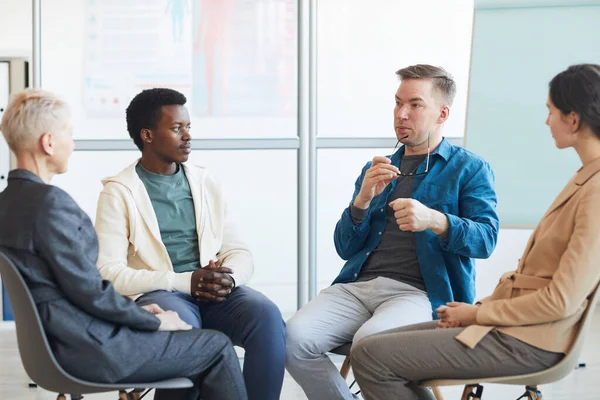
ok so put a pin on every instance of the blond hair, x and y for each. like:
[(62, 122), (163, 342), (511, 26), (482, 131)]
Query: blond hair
[(30, 114), (442, 80)]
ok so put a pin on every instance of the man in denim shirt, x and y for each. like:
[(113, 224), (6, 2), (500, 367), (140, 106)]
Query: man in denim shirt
[(416, 221)]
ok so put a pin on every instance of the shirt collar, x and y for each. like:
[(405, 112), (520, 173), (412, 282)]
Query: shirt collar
[(24, 174), (444, 150)]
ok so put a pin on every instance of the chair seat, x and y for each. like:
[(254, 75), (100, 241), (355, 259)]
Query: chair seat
[(538, 378), (78, 386), (343, 350), (84, 387)]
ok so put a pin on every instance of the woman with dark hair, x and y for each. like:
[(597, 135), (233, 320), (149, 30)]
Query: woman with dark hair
[(531, 319)]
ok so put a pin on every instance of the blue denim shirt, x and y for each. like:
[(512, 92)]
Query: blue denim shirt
[(459, 184)]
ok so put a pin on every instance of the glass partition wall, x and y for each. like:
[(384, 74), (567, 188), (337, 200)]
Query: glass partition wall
[(288, 100)]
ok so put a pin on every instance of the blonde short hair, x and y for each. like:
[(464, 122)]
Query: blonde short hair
[(442, 80), (30, 114)]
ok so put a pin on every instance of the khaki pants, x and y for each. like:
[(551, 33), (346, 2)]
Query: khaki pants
[(390, 364)]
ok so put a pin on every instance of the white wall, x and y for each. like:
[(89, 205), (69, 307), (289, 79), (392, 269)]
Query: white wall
[(362, 44), (15, 28)]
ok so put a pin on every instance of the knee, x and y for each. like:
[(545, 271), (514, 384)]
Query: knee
[(265, 315), (295, 341), (207, 342), (297, 345), (271, 316), (359, 336), (225, 346), (217, 339), (362, 355)]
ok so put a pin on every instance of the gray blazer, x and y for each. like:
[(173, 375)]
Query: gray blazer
[(95, 333)]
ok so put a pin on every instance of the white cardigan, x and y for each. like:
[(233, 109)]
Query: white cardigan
[(131, 252)]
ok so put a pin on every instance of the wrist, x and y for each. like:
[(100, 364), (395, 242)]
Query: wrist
[(474, 321), (359, 202), (232, 280), (438, 222), (181, 282)]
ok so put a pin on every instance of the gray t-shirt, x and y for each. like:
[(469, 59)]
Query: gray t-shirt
[(396, 256), (174, 208)]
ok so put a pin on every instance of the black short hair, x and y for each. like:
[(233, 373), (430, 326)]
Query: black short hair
[(577, 89), (144, 110)]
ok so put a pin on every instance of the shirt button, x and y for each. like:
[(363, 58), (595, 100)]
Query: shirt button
[(379, 233), (355, 275), (381, 210), (368, 252)]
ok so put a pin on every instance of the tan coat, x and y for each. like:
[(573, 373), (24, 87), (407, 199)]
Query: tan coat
[(542, 302)]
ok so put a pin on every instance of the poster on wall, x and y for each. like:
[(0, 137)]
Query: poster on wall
[(134, 45), (244, 58), (231, 58)]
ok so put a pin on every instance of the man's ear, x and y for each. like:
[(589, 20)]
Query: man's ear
[(146, 135), (444, 114), (47, 144)]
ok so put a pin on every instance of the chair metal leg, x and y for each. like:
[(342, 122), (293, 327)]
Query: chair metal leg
[(472, 392), (531, 393), (76, 397), (135, 394), (345, 368), (437, 393), (139, 394), (535, 394)]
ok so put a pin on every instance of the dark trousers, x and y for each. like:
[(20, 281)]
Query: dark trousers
[(206, 357), (250, 320)]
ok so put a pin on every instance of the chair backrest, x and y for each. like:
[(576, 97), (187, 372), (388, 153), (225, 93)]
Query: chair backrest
[(565, 366), (571, 359), (36, 354)]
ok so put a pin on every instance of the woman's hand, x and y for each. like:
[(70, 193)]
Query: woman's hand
[(170, 321), (153, 308), (456, 314)]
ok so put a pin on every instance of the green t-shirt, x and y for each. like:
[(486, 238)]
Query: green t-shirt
[(174, 208)]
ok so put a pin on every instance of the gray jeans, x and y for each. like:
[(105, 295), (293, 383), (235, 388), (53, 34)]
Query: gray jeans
[(341, 314), (389, 365)]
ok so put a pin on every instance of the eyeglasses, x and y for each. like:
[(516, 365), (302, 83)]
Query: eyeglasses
[(400, 173)]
